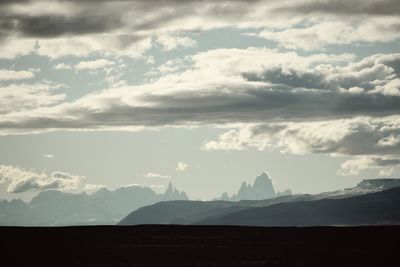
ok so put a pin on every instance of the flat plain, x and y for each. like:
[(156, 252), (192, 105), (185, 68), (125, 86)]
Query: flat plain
[(177, 245)]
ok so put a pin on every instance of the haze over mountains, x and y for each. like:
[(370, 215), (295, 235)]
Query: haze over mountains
[(256, 204), (55, 208), (52, 207)]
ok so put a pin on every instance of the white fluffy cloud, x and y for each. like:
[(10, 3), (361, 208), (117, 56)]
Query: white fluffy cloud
[(13, 47), (318, 34), (385, 165), (357, 136), (169, 42), (182, 166), (20, 180), (93, 64), (89, 65), (9, 75), (23, 97), (375, 142), (63, 66)]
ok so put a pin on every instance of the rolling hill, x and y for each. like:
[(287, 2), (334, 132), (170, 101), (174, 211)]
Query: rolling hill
[(375, 201)]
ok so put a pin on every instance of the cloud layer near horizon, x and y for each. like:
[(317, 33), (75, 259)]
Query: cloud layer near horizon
[(19, 180)]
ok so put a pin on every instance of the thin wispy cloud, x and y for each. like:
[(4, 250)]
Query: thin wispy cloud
[(156, 175)]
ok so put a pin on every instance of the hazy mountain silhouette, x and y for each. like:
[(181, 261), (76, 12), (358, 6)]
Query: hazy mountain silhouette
[(262, 188), (173, 194), (102, 207), (366, 186), (190, 212), (226, 212), (370, 209)]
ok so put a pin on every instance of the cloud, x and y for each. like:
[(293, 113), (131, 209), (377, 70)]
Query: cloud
[(320, 33), (63, 66), (49, 156), (171, 66), (11, 48), (126, 45), (169, 43), (374, 142), (358, 164), (60, 18), (369, 7), (182, 166), (227, 86), (297, 103), (113, 70), (91, 188), (46, 26), (93, 64), (357, 136), (23, 97), (237, 140), (130, 28), (156, 175), (9, 75), (20, 180)]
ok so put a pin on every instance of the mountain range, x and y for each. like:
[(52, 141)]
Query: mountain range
[(262, 188), (56, 208), (372, 201)]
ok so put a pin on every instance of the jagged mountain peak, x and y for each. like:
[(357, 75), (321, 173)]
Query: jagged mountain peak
[(262, 188), (264, 174), (262, 179), (170, 188), (171, 193)]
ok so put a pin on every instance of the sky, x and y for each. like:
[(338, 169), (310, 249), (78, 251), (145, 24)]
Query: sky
[(203, 94)]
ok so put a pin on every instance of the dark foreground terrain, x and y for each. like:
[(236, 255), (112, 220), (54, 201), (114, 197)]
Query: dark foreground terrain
[(200, 246)]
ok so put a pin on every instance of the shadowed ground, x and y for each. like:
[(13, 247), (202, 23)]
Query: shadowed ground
[(170, 245)]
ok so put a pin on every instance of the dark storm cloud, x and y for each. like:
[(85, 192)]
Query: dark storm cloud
[(277, 75), (367, 7), (8, 2), (48, 26), (89, 16), (53, 26)]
